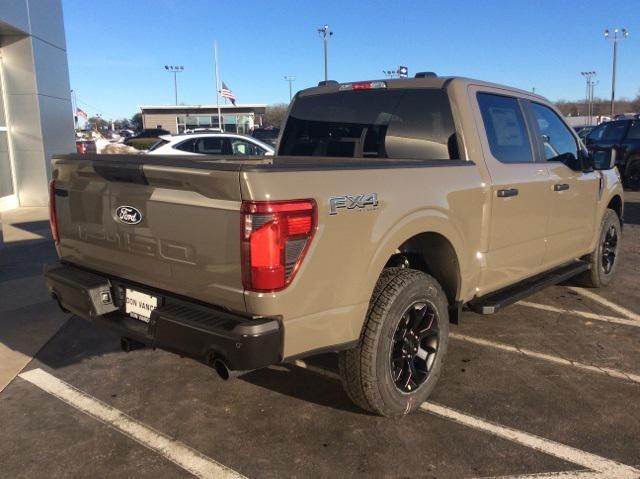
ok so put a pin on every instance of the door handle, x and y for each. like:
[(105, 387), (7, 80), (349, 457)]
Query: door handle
[(507, 193), (560, 187)]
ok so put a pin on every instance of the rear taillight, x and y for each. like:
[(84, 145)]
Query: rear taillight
[(275, 237), (81, 148), (53, 217)]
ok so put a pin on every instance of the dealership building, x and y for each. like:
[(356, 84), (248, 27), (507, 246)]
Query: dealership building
[(36, 117), (178, 118)]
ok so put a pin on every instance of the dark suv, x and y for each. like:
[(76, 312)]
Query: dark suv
[(623, 136)]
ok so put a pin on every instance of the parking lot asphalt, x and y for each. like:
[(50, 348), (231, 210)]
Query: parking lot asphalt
[(547, 387)]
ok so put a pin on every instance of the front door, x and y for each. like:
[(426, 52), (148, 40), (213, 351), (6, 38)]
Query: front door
[(574, 192), (520, 198)]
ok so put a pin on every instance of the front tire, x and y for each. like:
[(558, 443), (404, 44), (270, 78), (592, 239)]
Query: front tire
[(400, 356), (605, 258)]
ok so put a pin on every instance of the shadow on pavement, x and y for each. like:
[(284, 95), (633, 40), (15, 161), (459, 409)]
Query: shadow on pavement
[(41, 227)]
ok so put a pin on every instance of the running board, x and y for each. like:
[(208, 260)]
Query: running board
[(495, 301)]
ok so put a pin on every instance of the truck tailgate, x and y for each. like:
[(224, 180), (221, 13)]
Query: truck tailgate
[(167, 223)]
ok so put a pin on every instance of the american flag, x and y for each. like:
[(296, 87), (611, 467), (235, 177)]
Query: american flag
[(225, 92), (81, 113)]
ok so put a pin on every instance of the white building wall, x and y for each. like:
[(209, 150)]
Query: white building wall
[(37, 93)]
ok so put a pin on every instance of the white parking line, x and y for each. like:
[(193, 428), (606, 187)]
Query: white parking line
[(562, 475), (584, 314), (180, 454), (603, 467), (605, 302), (547, 357), (552, 448)]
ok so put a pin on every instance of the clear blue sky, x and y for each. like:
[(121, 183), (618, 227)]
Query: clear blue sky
[(117, 49)]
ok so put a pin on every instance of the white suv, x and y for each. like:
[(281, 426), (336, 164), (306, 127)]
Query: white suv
[(227, 144)]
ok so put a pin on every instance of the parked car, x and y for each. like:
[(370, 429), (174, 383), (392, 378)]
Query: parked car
[(210, 144), (126, 133), (389, 206), (85, 146), (622, 137), (145, 138), (267, 135)]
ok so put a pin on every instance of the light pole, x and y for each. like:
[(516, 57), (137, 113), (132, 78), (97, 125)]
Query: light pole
[(325, 34), (617, 35), (175, 70), (389, 73), (290, 79), (588, 99)]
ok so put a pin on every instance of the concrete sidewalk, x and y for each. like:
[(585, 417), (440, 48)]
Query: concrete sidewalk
[(28, 317)]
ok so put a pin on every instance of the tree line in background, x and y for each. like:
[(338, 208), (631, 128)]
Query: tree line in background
[(601, 106), (100, 124)]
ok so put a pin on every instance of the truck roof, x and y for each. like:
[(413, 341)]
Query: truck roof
[(421, 82)]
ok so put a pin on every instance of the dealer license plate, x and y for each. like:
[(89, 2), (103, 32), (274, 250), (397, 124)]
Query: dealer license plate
[(139, 305)]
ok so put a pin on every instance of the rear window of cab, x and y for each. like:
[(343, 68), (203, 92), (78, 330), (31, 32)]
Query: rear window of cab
[(379, 123)]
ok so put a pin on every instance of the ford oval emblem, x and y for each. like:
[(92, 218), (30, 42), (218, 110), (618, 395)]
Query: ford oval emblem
[(128, 215)]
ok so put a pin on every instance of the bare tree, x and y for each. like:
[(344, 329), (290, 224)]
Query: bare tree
[(274, 116)]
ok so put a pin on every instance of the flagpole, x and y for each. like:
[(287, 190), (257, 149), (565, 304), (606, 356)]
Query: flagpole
[(215, 55)]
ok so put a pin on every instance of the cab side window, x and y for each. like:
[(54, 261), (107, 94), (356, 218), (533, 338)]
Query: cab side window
[(557, 139), (634, 130), (506, 128)]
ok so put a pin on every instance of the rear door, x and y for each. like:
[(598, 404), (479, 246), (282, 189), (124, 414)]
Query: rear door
[(574, 192), (520, 198)]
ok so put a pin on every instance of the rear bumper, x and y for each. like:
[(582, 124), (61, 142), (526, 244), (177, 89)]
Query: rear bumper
[(187, 328)]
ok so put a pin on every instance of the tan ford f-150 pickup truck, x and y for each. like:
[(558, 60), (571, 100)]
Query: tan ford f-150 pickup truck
[(390, 207)]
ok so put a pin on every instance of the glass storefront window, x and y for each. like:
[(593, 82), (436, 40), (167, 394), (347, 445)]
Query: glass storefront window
[(241, 123)]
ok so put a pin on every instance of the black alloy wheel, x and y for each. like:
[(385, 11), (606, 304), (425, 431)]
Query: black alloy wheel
[(415, 346)]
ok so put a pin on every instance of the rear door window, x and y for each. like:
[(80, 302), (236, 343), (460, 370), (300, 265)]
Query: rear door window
[(505, 128), (399, 124), (211, 146)]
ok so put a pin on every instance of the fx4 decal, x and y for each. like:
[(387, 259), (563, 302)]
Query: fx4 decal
[(351, 202)]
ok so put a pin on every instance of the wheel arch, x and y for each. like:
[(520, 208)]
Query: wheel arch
[(433, 244), (431, 253), (616, 204)]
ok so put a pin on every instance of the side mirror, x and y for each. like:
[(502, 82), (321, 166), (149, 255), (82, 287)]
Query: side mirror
[(603, 159), (570, 160)]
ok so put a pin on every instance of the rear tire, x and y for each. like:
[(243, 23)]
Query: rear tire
[(400, 356), (605, 258)]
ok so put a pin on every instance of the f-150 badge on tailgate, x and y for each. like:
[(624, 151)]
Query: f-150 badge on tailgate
[(351, 202), (128, 215)]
